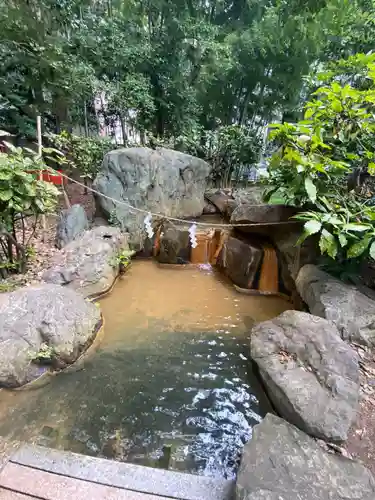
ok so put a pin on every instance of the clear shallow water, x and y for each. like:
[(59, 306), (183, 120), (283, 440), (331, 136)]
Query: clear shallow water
[(171, 384)]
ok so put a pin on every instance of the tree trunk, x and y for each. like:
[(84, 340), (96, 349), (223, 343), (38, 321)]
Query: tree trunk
[(123, 130)]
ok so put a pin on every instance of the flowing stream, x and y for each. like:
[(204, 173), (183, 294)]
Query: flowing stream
[(171, 384)]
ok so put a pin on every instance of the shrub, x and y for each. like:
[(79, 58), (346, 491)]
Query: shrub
[(85, 154), (22, 195), (326, 160)]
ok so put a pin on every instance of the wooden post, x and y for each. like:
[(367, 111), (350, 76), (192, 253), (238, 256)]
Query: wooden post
[(39, 135)]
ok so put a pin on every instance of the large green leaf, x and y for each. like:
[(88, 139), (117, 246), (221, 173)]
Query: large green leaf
[(356, 227), (310, 189), (358, 248), (343, 240), (312, 227), (372, 250), (6, 194), (328, 244), (5, 175)]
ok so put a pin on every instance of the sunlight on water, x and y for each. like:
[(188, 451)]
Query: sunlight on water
[(171, 384)]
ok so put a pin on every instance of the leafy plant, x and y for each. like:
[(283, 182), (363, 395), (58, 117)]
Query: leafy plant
[(85, 154), (322, 158), (44, 355), (122, 259), (22, 195), (7, 287)]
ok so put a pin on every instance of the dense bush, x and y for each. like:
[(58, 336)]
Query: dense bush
[(22, 195), (83, 154), (325, 162), (231, 150)]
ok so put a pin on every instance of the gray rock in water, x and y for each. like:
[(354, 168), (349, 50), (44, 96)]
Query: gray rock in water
[(240, 261), (174, 245), (311, 374), (282, 463), (45, 314), (90, 263), (72, 223), (160, 181), (327, 297)]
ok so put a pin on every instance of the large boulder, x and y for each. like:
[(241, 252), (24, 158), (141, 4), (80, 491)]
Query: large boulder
[(280, 462), (48, 315), (71, 224), (327, 297), (160, 181), (246, 213), (311, 374), (90, 263), (240, 261)]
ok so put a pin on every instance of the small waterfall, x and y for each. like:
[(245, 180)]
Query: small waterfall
[(269, 272)]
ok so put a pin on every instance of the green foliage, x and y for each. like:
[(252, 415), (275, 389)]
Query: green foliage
[(22, 195), (83, 153), (122, 260), (167, 67), (45, 355), (6, 287), (320, 153), (230, 150)]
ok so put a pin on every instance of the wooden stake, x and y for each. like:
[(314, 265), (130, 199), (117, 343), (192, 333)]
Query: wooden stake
[(39, 135)]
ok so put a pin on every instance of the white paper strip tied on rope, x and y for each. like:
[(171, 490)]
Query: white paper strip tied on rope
[(193, 235), (148, 227)]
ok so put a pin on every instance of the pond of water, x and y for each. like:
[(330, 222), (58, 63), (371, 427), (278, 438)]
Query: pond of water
[(171, 384)]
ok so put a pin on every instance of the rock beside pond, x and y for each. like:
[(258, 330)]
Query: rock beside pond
[(43, 315), (247, 213), (174, 246), (311, 374), (226, 200), (352, 312), (220, 199), (240, 261), (160, 181), (280, 462), (90, 263), (72, 223)]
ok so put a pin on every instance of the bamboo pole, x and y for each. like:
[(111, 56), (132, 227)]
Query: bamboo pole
[(40, 148)]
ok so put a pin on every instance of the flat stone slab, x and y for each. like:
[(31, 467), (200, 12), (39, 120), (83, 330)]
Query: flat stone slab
[(27, 483), (136, 478)]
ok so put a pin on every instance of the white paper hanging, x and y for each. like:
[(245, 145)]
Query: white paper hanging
[(148, 226), (193, 235)]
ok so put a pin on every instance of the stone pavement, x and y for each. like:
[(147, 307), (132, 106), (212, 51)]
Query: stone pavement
[(34, 472)]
